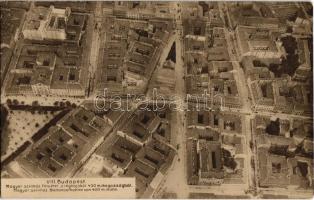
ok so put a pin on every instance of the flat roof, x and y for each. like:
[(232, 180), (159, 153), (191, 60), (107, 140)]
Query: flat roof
[(151, 157), (141, 171), (210, 156)]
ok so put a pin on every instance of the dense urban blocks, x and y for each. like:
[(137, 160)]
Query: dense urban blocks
[(12, 20), (254, 61), (285, 151), (131, 50), (191, 99), (58, 153), (141, 148), (51, 58)]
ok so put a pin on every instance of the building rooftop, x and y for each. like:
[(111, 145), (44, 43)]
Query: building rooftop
[(210, 159), (151, 157), (163, 132), (192, 162), (136, 54), (141, 171), (57, 67), (58, 153), (197, 84), (51, 23), (255, 14), (37, 18), (273, 169), (11, 24), (198, 118), (194, 27), (255, 39)]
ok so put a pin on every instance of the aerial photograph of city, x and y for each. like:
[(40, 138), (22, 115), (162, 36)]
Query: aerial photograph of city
[(191, 99)]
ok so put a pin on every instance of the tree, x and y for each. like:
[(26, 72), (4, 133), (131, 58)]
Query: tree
[(68, 104), (273, 128), (15, 102), (228, 159), (36, 125), (56, 103), (9, 101), (35, 103)]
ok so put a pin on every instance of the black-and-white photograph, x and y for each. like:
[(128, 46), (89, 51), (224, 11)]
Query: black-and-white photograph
[(157, 99)]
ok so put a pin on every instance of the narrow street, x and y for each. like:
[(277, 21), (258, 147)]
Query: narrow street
[(242, 86), (247, 132), (95, 41), (93, 62)]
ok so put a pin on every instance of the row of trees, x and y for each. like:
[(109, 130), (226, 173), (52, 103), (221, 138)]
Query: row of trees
[(36, 103), (16, 105), (3, 129)]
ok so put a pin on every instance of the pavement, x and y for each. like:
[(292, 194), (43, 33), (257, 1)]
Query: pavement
[(162, 60), (176, 179), (244, 89), (95, 46)]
